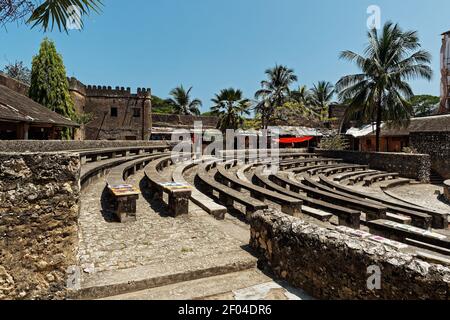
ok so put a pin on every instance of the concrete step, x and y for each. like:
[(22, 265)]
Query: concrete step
[(244, 285), (117, 282)]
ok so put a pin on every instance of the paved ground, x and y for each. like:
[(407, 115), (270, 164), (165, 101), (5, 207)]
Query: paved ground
[(160, 251), (425, 195)]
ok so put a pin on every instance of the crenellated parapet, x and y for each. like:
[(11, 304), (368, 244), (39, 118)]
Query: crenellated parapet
[(106, 91)]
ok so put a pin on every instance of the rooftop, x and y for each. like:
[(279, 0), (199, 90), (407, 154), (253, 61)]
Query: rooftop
[(19, 108)]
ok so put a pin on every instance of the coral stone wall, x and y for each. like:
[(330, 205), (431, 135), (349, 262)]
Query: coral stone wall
[(329, 264), (174, 120), (447, 190), (414, 166), (39, 207), (437, 145), (57, 145)]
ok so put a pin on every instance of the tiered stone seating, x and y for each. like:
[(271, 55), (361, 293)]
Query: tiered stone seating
[(203, 201), (379, 177), (227, 195), (123, 196), (179, 194)]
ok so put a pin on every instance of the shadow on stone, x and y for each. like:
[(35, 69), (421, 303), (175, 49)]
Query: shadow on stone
[(157, 205), (108, 207)]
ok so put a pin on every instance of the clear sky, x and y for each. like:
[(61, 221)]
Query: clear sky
[(214, 44)]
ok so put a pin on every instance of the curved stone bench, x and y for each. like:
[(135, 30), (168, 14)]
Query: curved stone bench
[(289, 205), (179, 194), (344, 168), (347, 217), (94, 155), (439, 219), (124, 196), (348, 175), (306, 162), (227, 195), (203, 201), (360, 177), (380, 177)]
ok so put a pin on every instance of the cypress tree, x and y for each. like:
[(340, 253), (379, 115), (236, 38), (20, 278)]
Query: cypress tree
[(49, 85)]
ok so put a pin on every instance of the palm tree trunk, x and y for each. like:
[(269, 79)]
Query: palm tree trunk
[(378, 134)]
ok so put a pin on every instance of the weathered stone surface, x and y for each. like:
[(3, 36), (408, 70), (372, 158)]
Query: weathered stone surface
[(39, 205), (329, 264), (447, 190), (414, 166), (65, 145)]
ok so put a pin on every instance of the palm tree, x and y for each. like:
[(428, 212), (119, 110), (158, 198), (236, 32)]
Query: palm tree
[(380, 91), (231, 106), (301, 95), (321, 95), (181, 102), (47, 13), (275, 91)]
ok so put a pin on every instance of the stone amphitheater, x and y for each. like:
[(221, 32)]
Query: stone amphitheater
[(110, 220)]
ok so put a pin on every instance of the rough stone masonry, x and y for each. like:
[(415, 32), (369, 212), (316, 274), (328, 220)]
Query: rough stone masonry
[(39, 207), (329, 264)]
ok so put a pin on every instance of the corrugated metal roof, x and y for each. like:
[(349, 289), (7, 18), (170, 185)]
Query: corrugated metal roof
[(427, 124), (19, 108)]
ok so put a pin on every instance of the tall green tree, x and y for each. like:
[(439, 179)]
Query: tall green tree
[(18, 71), (424, 105), (321, 95), (381, 91), (275, 92), (182, 103), (231, 107), (49, 85)]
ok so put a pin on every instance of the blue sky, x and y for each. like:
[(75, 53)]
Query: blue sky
[(212, 44)]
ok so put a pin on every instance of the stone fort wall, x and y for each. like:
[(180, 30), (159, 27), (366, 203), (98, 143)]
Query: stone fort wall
[(183, 121), (414, 166), (39, 207), (328, 264), (437, 145)]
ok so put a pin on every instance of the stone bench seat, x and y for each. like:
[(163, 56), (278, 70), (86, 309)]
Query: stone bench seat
[(202, 200), (379, 177), (289, 205), (418, 219), (94, 155), (344, 168), (395, 183), (179, 194), (348, 175), (360, 177), (347, 217), (227, 195), (401, 232), (122, 195), (307, 162), (314, 190), (439, 220)]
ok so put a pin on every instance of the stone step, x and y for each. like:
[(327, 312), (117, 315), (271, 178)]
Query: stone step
[(111, 283), (244, 285)]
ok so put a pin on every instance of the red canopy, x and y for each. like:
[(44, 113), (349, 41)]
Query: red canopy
[(294, 140)]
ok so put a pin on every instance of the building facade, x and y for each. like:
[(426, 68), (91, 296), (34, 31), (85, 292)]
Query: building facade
[(115, 113)]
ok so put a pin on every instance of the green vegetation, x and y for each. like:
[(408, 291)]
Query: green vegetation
[(49, 85), (423, 105), (18, 71), (182, 103), (45, 14), (161, 106), (231, 106), (274, 93), (381, 91), (336, 142)]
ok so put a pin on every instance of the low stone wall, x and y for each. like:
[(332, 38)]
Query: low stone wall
[(414, 166), (437, 145), (39, 207), (56, 145), (14, 85), (329, 264)]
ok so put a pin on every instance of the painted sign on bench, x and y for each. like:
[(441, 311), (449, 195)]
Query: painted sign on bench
[(123, 190), (175, 186)]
